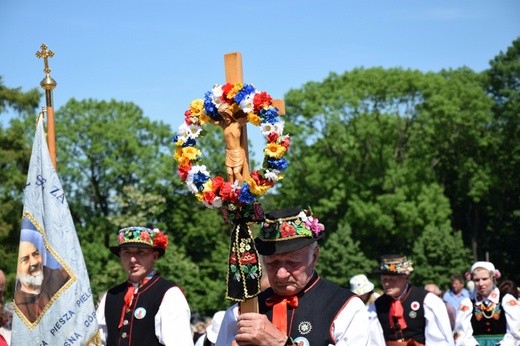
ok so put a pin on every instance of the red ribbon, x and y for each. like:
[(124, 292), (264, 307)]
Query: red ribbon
[(129, 297), (279, 305), (396, 314)]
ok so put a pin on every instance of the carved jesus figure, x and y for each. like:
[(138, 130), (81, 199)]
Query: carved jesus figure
[(235, 153)]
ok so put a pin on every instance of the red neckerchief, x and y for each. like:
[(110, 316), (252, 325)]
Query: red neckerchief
[(279, 305), (129, 297), (396, 314)]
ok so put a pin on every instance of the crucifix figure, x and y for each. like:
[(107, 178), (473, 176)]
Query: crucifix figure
[(235, 133)]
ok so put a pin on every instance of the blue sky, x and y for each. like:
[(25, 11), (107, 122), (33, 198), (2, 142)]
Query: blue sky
[(161, 54)]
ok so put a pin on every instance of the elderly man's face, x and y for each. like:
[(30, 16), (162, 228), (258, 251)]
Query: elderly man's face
[(30, 266), (394, 285), (290, 272)]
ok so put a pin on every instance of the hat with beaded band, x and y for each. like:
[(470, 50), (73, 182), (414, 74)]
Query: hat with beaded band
[(143, 237), (394, 264), (288, 230)]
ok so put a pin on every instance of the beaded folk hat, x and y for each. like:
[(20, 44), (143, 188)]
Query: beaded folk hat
[(143, 237), (288, 230), (394, 264)]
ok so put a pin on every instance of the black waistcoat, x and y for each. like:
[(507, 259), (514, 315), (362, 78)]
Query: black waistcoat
[(137, 330), (413, 306), (487, 326), (318, 305)]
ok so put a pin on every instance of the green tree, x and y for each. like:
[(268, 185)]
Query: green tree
[(368, 152), (15, 150), (502, 82)]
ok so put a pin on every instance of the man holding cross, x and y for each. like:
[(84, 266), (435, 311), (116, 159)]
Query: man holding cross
[(299, 307)]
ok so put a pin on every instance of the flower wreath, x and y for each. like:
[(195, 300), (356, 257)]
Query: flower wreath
[(217, 192)]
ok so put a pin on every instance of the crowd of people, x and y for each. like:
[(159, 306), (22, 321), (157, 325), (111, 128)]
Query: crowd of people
[(296, 305)]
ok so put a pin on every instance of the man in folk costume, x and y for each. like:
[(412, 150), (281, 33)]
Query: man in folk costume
[(409, 315), (491, 318), (299, 307), (146, 309)]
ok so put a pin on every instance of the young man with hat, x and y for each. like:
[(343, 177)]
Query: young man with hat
[(491, 318), (409, 315), (299, 307), (146, 309)]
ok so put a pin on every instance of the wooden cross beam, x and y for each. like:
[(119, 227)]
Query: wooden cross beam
[(234, 74)]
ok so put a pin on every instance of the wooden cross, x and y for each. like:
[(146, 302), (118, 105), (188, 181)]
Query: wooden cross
[(233, 68), (45, 54)]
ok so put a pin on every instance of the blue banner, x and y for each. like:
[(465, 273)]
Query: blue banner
[(53, 301)]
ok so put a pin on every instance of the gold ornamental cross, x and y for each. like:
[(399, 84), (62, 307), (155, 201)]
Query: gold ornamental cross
[(45, 54), (234, 74)]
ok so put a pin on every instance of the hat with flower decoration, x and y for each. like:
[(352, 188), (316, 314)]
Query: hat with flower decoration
[(394, 264), (137, 236), (288, 230)]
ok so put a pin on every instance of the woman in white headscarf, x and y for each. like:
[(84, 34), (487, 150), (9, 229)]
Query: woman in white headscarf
[(491, 318)]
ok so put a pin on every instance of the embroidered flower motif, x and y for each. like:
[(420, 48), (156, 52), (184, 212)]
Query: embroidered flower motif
[(260, 111)]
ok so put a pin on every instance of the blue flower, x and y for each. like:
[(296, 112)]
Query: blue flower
[(242, 93), (190, 142), (210, 108), (269, 115), (279, 164), (199, 179), (245, 195)]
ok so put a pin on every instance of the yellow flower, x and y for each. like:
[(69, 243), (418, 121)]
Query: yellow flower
[(177, 154), (254, 119), (190, 153), (236, 88), (200, 196), (197, 107), (258, 190), (274, 150), (208, 186), (203, 119)]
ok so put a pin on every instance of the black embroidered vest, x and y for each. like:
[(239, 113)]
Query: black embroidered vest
[(318, 306), (492, 324), (413, 306), (139, 324)]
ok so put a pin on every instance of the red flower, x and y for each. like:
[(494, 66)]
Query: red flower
[(187, 117), (286, 142), (287, 230), (260, 180), (145, 236), (216, 183), (182, 171), (260, 100), (226, 88), (227, 193), (160, 240), (209, 196), (248, 258), (233, 258), (272, 137)]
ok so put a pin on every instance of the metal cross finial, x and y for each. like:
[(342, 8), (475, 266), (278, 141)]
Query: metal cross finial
[(45, 54)]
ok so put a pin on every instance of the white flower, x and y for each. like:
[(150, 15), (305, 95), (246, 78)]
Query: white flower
[(189, 179), (247, 103), (303, 216), (272, 175)]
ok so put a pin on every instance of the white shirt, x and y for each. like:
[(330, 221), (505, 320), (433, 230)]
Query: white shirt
[(510, 307), (349, 327), (172, 321), (437, 330)]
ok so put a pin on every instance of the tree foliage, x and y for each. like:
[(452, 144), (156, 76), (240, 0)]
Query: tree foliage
[(390, 160)]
